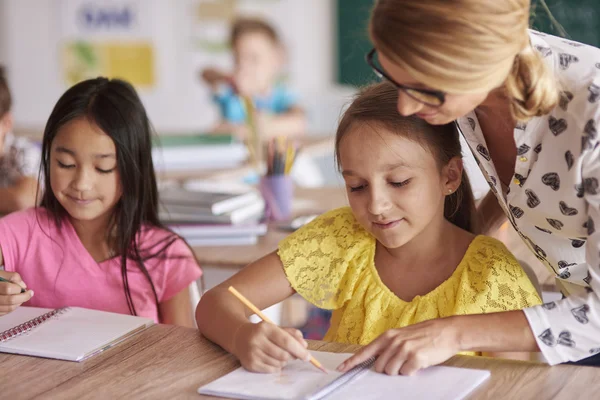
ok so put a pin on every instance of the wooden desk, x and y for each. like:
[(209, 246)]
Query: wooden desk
[(167, 362), (306, 201)]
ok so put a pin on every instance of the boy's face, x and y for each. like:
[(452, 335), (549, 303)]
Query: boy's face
[(258, 61)]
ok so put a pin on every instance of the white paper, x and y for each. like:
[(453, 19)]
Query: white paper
[(299, 379), (72, 335)]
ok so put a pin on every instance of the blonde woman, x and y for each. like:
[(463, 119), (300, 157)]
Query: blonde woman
[(528, 105)]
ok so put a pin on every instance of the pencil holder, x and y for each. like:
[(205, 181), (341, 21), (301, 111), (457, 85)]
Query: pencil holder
[(278, 192)]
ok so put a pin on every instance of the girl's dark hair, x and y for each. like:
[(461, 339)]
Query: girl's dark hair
[(376, 104), (5, 97), (114, 106)]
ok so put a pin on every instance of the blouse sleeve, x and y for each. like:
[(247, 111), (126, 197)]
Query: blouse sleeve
[(324, 258), (494, 281), (569, 329)]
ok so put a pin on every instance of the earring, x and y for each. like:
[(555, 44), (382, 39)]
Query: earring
[(449, 191)]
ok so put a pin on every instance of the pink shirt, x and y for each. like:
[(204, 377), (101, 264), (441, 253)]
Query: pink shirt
[(54, 263)]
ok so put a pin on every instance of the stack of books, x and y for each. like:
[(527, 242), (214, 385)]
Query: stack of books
[(205, 217), (197, 152)]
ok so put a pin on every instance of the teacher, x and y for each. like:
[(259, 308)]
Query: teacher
[(528, 105)]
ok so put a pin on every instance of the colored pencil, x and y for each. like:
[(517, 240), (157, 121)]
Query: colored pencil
[(262, 316)]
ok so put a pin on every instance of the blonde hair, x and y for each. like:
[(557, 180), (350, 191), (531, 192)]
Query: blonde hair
[(467, 46), (375, 105)]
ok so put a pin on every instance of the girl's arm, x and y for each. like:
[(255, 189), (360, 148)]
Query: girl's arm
[(223, 319), (10, 292), (177, 310)]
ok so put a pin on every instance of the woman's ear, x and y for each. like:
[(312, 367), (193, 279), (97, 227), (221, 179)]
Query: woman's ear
[(452, 175)]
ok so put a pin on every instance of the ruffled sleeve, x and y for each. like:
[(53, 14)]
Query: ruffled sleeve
[(493, 280), (324, 259)]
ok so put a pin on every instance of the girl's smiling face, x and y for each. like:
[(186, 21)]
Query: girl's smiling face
[(395, 186), (83, 171)]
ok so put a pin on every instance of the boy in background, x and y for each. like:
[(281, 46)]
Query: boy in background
[(19, 160), (258, 58)]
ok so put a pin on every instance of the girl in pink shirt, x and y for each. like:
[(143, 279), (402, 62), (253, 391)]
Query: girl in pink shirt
[(96, 241)]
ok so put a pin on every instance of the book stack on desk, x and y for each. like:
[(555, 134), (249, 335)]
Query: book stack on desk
[(176, 153), (213, 218)]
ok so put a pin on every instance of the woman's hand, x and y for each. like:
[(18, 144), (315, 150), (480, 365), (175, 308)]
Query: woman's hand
[(407, 350), (10, 292), (268, 348)]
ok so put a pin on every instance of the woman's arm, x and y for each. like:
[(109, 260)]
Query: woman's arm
[(177, 310), (406, 350), (490, 214)]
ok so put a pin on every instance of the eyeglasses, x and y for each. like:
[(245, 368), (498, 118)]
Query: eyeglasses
[(433, 98)]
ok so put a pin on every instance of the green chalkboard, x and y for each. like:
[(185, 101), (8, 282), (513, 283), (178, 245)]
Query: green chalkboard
[(353, 41), (579, 18)]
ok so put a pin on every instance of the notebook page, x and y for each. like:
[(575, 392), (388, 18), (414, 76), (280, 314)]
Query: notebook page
[(298, 379), (74, 334), (447, 383)]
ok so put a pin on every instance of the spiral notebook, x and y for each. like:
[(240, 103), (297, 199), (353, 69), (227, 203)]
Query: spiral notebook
[(71, 333), (300, 380)]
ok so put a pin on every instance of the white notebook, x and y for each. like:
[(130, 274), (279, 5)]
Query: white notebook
[(300, 380), (71, 333)]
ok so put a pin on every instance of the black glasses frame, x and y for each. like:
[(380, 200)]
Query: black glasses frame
[(441, 96)]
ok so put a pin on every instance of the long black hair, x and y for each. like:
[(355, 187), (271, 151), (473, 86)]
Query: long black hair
[(114, 106)]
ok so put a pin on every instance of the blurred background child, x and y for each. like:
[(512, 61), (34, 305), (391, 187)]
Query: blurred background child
[(259, 58), (19, 160)]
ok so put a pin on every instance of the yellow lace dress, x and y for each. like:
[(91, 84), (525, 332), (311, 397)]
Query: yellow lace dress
[(330, 262)]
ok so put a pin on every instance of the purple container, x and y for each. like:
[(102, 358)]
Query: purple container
[(278, 192)]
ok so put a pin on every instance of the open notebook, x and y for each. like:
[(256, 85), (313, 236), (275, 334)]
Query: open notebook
[(72, 333), (300, 380)]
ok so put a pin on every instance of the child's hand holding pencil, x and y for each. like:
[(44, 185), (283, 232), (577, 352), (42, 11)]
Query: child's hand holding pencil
[(267, 348)]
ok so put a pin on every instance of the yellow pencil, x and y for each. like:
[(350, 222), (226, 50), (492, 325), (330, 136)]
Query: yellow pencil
[(262, 316), (289, 159), (253, 140)]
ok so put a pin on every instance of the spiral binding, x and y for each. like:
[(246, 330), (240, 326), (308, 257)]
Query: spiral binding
[(29, 325), (342, 380)]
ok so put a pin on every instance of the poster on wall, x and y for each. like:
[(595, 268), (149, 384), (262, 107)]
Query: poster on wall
[(109, 38)]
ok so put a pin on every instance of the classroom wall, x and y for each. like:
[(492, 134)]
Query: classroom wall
[(32, 33)]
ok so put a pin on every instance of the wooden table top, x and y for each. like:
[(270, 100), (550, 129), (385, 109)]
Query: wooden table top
[(306, 201), (168, 362)]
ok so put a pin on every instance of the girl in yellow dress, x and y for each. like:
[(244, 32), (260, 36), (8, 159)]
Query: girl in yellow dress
[(404, 252)]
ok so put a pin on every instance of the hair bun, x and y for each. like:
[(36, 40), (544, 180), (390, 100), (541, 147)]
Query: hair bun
[(531, 86)]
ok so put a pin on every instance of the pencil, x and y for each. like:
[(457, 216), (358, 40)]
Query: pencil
[(262, 316), (6, 280)]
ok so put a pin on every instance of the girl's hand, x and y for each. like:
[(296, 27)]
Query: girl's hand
[(268, 348), (10, 292), (407, 350)]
